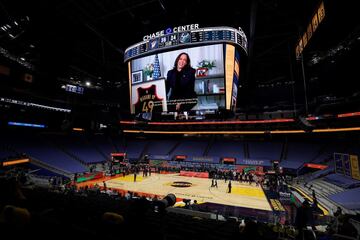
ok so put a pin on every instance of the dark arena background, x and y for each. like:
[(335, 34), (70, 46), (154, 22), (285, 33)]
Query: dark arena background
[(179, 120)]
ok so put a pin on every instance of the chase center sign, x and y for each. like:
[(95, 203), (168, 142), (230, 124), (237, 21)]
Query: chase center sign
[(171, 30)]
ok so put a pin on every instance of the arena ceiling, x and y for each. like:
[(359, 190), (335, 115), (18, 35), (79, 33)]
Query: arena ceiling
[(84, 40)]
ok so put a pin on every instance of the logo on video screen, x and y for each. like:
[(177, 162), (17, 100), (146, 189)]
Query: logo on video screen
[(154, 44), (184, 37)]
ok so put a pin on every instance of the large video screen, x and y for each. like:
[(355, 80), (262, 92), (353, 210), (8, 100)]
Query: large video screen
[(188, 79)]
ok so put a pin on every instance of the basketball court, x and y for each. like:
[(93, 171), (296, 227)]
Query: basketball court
[(242, 194)]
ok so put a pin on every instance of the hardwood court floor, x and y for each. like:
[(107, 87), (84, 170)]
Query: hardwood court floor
[(242, 194)]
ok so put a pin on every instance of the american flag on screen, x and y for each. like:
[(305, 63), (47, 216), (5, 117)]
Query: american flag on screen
[(157, 72)]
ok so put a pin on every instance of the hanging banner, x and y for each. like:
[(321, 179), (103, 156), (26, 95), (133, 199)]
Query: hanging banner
[(346, 163), (339, 167), (355, 171)]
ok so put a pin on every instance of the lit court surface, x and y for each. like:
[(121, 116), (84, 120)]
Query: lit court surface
[(242, 194)]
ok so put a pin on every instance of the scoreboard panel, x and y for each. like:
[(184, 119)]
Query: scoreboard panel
[(198, 36), (215, 57)]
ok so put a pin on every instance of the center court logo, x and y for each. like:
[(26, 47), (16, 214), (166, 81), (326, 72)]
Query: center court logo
[(181, 184)]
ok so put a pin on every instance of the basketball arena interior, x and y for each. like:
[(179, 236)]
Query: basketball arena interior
[(180, 120)]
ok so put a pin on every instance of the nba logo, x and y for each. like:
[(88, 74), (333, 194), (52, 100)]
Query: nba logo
[(153, 44)]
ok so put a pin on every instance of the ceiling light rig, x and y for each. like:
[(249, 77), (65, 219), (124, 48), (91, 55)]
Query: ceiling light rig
[(10, 31), (343, 47), (14, 28), (20, 60)]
